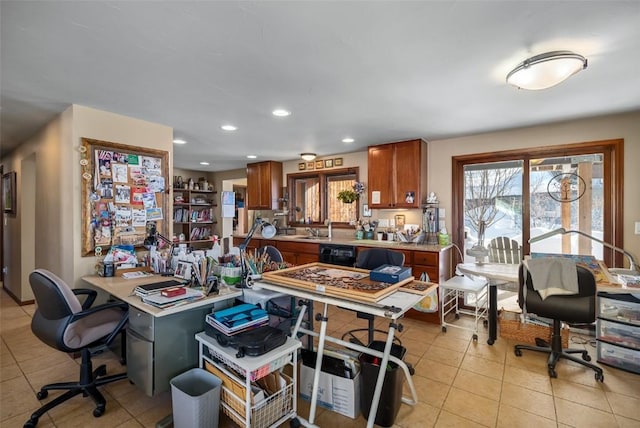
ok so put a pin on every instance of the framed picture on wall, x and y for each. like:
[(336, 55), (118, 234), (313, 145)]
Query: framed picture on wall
[(337, 162), (9, 192), (328, 163), (302, 166), (310, 165), (319, 164)]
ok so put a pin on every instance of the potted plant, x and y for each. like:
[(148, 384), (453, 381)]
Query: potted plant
[(349, 196)]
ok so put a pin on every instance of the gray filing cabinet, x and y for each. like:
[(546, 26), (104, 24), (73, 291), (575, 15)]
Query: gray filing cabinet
[(161, 347)]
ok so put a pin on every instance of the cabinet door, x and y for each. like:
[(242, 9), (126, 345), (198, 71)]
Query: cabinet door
[(380, 175), (254, 191), (407, 174)]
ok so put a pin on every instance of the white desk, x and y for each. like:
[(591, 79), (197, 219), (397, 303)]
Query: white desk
[(391, 307), (493, 272), (160, 342)]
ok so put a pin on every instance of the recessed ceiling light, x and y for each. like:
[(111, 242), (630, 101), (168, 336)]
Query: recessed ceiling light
[(229, 127), (251, 156), (281, 113), (348, 140), (204, 163), (177, 141)]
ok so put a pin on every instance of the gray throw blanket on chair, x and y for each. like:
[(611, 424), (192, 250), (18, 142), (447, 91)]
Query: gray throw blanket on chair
[(551, 275)]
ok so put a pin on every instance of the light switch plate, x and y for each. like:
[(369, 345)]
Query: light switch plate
[(637, 227)]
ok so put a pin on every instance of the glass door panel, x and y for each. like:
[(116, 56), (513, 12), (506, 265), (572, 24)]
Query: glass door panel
[(567, 192)]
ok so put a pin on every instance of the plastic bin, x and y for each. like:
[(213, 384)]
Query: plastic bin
[(195, 397), (391, 395)]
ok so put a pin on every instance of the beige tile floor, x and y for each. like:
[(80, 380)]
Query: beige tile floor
[(460, 383)]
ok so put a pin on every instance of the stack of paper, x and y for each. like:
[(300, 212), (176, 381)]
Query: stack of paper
[(238, 318), (160, 301)]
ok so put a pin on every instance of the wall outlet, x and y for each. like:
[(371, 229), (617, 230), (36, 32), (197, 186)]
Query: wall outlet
[(637, 227), (392, 222)]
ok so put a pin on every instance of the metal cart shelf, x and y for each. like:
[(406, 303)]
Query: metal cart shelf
[(239, 373), (456, 288)]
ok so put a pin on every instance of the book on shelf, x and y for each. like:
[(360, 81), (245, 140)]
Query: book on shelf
[(238, 318)]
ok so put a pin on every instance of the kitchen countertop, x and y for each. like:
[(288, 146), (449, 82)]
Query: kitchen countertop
[(350, 241)]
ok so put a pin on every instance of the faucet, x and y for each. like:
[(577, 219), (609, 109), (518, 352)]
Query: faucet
[(313, 232)]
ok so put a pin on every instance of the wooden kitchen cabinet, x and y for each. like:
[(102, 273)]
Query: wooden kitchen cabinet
[(298, 253), (397, 173), (264, 185)]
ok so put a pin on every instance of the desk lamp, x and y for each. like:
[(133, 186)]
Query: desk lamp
[(633, 265), (157, 240), (268, 232)]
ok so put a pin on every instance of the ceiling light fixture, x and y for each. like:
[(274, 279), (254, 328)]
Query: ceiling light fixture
[(546, 70), (281, 113), (204, 163), (348, 140), (251, 156), (308, 156), (177, 141), (229, 127)]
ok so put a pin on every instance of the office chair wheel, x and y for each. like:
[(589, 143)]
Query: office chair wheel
[(42, 394), (518, 353), (31, 423), (98, 411), (552, 372), (491, 342), (586, 356), (475, 337), (599, 377), (101, 371)]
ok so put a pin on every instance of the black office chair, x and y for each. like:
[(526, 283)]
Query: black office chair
[(371, 259), (67, 325), (578, 308)]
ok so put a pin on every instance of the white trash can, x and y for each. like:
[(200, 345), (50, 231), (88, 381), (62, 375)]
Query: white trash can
[(195, 397)]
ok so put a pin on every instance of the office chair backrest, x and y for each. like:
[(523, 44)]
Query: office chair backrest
[(56, 304), (274, 254), (505, 250), (579, 308), (376, 257)]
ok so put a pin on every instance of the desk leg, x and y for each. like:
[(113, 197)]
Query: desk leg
[(316, 375), (493, 313), (381, 374)]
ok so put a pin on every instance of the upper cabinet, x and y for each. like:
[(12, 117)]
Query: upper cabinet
[(397, 176), (264, 185)]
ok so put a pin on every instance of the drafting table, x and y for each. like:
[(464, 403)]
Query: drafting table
[(391, 307)]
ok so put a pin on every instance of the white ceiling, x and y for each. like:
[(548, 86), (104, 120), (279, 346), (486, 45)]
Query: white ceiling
[(375, 71)]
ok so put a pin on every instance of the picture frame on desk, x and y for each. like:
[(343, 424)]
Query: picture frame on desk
[(183, 270)]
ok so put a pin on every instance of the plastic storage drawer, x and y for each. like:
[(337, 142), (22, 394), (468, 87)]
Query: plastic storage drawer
[(617, 356), (619, 307), (617, 333)]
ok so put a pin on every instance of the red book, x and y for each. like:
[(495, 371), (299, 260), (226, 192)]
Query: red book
[(172, 292)]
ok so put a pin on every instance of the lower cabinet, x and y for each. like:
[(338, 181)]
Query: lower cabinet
[(299, 253)]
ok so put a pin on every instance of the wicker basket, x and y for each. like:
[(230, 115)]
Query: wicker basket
[(527, 333)]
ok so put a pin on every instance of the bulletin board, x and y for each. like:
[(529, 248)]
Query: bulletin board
[(125, 191)]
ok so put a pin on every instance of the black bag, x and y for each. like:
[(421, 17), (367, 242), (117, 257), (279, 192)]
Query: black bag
[(253, 342)]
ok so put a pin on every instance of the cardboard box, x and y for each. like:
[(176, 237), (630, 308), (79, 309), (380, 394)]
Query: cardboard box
[(335, 393), (390, 274)]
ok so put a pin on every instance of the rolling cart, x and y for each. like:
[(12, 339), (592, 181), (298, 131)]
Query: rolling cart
[(237, 399), (456, 288)]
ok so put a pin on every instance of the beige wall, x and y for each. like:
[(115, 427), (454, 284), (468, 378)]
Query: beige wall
[(46, 233), (626, 126)]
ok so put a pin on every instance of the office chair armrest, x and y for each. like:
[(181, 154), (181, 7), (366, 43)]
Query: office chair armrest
[(89, 311), (91, 296)]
